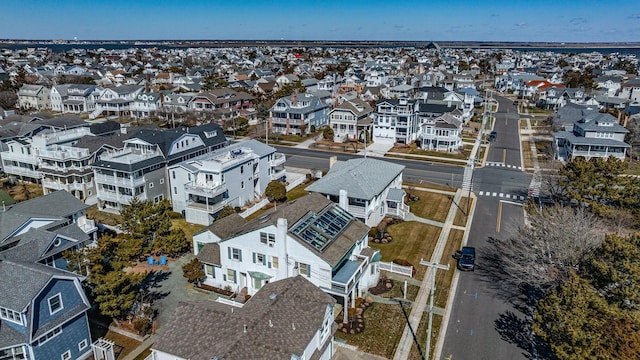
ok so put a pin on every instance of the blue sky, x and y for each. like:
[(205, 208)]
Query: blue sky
[(532, 20)]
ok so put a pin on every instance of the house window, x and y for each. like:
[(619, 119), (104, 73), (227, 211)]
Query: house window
[(82, 345), (209, 270), (55, 303), (173, 174), (266, 238), (235, 254), (50, 335), (10, 315), (259, 258), (241, 184), (231, 275), (242, 169), (274, 262), (66, 355), (175, 190), (150, 185), (304, 269), (161, 181)]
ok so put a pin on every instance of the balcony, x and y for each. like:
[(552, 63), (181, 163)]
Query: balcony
[(64, 169), (62, 153), (118, 198), (278, 159), (277, 174), (209, 189), (343, 281), (25, 158), (208, 208), (119, 180), (54, 185), (22, 171), (87, 225)]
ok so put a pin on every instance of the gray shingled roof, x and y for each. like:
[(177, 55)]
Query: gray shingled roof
[(362, 178), (31, 277), (210, 254), (275, 329)]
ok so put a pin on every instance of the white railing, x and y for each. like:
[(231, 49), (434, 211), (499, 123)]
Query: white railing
[(26, 158), (395, 268), (296, 182), (211, 189), (21, 171), (254, 208), (116, 180), (278, 159), (229, 302), (278, 175)]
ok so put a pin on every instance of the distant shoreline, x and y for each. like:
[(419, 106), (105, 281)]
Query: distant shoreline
[(322, 43)]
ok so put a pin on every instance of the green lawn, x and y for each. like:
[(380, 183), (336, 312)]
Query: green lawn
[(433, 206), (412, 241), (5, 198)]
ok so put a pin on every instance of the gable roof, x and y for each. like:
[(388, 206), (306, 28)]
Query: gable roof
[(362, 178), (280, 319)]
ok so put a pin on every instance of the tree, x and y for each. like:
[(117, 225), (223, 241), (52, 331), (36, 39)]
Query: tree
[(276, 191), (8, 99), (193, 271), (614, 269), (562, 63), (174, 243), (463, 65), (571, 319), (327, 133), (146, 220), (544, 253), (115, 292), (627, 65)]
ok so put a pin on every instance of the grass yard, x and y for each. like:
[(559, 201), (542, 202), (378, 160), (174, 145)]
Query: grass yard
[(22, 191), (103, 217), (412, 241), (634, 168), (188, 228), (433, 206), (384, 325), (5, 198), (397, 290), (526, 154), (463, 212), (124, 344)]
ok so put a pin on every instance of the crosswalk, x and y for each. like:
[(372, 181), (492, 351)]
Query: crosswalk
[(501, 164), (466, 179), (502, 195)]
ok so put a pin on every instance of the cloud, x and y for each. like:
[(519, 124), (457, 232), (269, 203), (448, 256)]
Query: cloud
[(634, 16), (577, 21)]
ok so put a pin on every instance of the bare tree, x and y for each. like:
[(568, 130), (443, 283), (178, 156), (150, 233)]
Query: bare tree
[(8, 99), (545, 251)]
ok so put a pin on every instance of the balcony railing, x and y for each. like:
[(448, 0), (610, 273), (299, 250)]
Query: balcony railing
[(83, 169), (209, 190), (26, 158), (62, 152), (55, 185), (117, 180), (278, 159), (87, 225), (118, 198), (278, 174), (22, 171), (591, 153), (208, 208)]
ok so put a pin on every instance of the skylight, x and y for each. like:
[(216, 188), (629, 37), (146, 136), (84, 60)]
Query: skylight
[(319, 230)]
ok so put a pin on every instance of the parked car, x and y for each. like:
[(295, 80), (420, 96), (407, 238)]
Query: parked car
[(466, 258), (492, 136)]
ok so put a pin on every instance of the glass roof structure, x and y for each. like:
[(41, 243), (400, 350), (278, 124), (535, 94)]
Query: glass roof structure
[(319, 230)]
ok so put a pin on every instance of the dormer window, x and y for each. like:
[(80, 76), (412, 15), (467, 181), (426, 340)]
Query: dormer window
[(55, 303)]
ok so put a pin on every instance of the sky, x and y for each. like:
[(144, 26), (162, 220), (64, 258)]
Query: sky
[(408, 20)]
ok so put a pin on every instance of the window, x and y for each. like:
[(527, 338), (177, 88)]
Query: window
[(274, 262), (150, 185), (82, 345), (175, 189), (66, 355), (242, 169), (259, 258), (173, 174), (266, 238), (241, 184), (305, 269), (10, 315), (50, 335), (235, 254), (161, 181), (55, 303), (231, 275), (209, 270)]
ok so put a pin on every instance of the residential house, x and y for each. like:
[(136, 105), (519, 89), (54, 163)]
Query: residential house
[(367, 188), (116, 101), (74, 98), (310, 236), (145, 104), (224, 103), (43, 310), (395, 121), (233, 175), (592, 134), (69, 167), (351, 120), (296, 114), (4, 113), (139, 169), (443, 133), (287, 319), (630, 89), (35, 97)]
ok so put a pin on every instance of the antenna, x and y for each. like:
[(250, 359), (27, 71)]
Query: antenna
[(270, 323), (293, 326)]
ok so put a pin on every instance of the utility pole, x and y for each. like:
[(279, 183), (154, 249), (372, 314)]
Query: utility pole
[(434, 267)]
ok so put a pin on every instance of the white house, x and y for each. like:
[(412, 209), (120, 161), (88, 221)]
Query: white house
[(288, 319), (367, 188), (443, 133), (233, 176), (350, 120), (395, 121), (310, 236)]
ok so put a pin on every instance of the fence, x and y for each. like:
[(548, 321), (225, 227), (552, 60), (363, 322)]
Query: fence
[(395, 268)]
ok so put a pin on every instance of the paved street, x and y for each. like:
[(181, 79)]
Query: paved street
[(484, 323)]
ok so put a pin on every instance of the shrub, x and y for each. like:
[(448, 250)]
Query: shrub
[(373, 232), (142, 326), (175, 215)]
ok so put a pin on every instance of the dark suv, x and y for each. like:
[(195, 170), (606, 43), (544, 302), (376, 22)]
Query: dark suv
[(466, 258), (492, 136)]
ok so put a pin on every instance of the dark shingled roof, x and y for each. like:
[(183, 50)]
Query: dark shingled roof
[(275, 328), (210, 254)]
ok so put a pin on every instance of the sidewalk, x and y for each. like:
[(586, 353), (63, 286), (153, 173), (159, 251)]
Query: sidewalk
[(420, 304)]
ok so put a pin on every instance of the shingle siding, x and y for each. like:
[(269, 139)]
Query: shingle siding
[(72, 334), (70, 299)]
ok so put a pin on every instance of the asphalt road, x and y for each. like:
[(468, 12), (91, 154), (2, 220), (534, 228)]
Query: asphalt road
[(420, 172), (484, 323)]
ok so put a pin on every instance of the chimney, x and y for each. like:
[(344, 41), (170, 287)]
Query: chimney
[(332, 160), (344, 200)]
